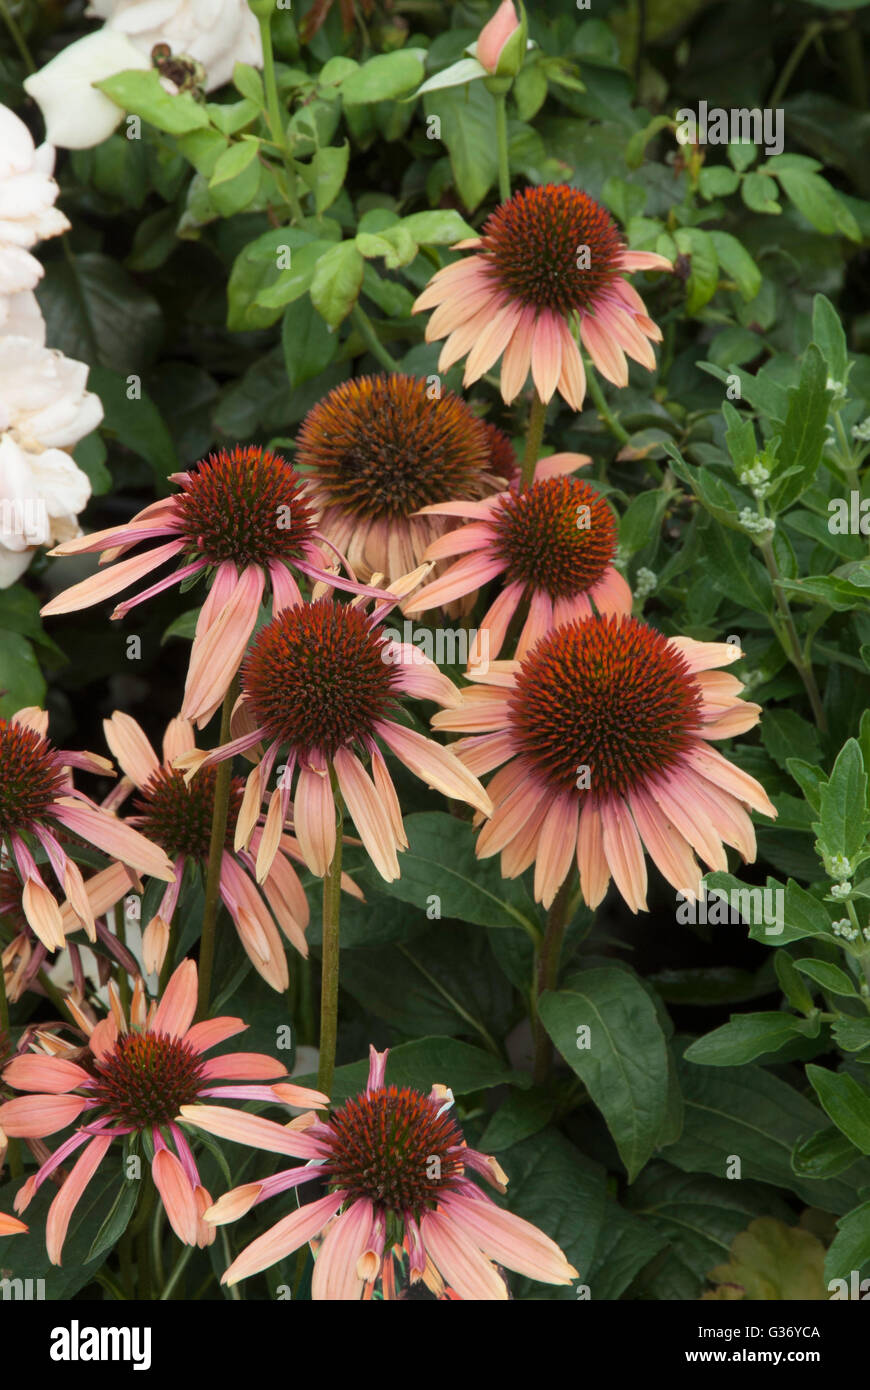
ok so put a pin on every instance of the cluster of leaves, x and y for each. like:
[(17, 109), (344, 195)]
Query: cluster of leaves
[(222, 275)]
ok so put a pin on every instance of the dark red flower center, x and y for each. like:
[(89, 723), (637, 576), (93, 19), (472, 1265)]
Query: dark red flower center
[(31, 777), (384, 446), (178, 816), (559, 535), (147, 1078), (396, 1147), (608, 695), (245, 505), (553, 247), (316, 678)]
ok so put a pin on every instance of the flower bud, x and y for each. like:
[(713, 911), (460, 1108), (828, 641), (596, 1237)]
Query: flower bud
[(501, 46)]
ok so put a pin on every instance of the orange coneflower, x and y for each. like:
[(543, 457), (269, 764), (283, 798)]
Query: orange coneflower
[(37, 799), (177, 815), (241, 515), (137, 1078), (377, 449), (548, 259), (324, 680), (604, 731), (397, 1169), (553, 545)]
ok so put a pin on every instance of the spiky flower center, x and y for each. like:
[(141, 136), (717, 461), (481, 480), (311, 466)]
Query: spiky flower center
[(396, 1147), (178, 816), (316, 678), (31, 777), (381, 446), (559, 535), (147, 1078), (245, 505), (552, 247), (608, 695)]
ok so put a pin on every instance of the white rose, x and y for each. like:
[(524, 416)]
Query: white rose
[(43, 400), (41, 495), (21, 317), (76, 114), (27, 211), (217, 33)]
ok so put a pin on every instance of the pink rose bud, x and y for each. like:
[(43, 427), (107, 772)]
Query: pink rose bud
[(495, 34)]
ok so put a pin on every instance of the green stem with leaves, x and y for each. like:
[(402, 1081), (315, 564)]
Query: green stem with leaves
[(330, 956), (215, 853), (603, 408), (501, 135), (789, 638), (547, 975), (276, 120), (367, 330)]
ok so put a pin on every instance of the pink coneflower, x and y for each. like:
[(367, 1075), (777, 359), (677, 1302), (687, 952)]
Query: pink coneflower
[(38, 799), (25, 955), (396, 1166), (377, 449), (242, 515), (553, 545), (136, 1079), (604, 731), (177, 815), (324, 681), (548, 259)]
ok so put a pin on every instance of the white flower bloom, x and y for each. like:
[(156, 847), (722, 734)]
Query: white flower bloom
[(41, 495), (217, 33), (43, 400), (27, 211), (21, 316), (76, 114)]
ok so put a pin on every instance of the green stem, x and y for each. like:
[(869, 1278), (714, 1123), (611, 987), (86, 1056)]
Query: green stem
[(329, 958), (603, 408), (235, 1291), (501, 134), (534, 436), (143, 1240), (276, 121), (17, 37), (215, 852), (791, 643), (123, 977), (177, 1271), (373, 342), (547, 975), (811, 32), (110, 1285)]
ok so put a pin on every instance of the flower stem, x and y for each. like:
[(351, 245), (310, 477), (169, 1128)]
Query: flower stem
[(177, 1271), (547, 975), (791, 644), (329, 959), (143, 1239), (809, 35), (215, 854), (276, 121), (534, 436), (501, 135), (603, 408), (123, 977), (367, 330), (17, 37)]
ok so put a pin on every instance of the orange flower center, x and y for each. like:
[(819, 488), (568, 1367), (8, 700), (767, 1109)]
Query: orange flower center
[(380, 446), (552, 247), (147, 1078), (559, 535), (31, 777), (611, 696), (178, 817), (395, 1148), (316, 678), (245, 506)]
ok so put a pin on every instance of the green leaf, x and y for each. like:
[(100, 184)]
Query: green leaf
[(309, 343), (851, 1034), (736, 261), (759, 193), (295, 279), (844, 1102), (117, 1220), (625, 1064), (704, 270), (203, 148), (803, 435), (336, 282), (248, 81), (21, 681), (851, 1246), (135, 421), (742, 153), (95, 312), (326, 173), (523, 1113), (746, 1037), (825, 1154), (440, 860), (626, 1244), (384, 77), (424, 1063), (467, 122), (233, 162), (735, 569), (235, 180), (141, 94), (829, 977), (819, 203), (458, 74), (843, 803), (771, 1261), (830, 336), (717, 181), (441, 228)]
